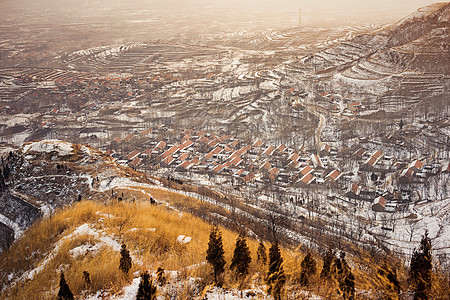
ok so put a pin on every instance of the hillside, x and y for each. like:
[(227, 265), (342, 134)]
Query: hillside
[(49, 174), (87, 236), (117, 205)]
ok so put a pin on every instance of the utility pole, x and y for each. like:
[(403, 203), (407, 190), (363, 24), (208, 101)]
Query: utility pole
[(299, 18)]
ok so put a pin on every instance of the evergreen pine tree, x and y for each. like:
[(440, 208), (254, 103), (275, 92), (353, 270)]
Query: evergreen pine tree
[(261, 253), (275, 276), (241, 260), (328, 260), (146, 290), (387, 276), (125, 259), (64, 290), (86, 278), (308, 269), (345, 278), (160, 276), (215, 255), (421, 269)]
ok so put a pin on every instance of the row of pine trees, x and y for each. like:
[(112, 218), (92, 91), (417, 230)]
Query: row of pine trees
[(335, 271), (275, 277)]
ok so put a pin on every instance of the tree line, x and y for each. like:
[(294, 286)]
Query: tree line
[(336, 274)]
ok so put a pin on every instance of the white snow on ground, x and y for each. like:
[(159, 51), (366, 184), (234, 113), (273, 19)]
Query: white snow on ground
[(433, 217), (84, 229), (47, 146), (182, 239), (217, 293), (84, 249), (129, 292), (13, 225), (120, 182), (18, 119)]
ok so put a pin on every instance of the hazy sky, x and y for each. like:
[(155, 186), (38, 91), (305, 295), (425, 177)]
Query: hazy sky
[(313, 11)]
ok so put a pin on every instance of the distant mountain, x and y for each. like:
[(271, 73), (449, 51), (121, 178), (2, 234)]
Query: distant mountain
[(420, 42)]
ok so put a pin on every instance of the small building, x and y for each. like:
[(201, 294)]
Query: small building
[(325, 150), (315, 160), (250, 178), (416, 165), (353, 191), (269, 151), (306, 180), (257, 143), (406, 175), (379, 204), (374, 159), (333, 176), (133, 154)]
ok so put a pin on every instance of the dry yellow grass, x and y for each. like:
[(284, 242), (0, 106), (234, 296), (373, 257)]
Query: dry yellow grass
[(150, 233)]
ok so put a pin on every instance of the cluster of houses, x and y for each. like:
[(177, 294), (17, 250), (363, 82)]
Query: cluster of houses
[(330, 103), (262, 165)]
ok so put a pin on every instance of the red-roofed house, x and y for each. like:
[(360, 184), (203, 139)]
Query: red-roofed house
[(209, 155), (306, 170), (325, 149), (185, 165), (360, 152), (257, 143), (128, 137), (186, 144), (353, 191), (417, 165), (183, 156), (136, 162), (204, 140), (269, 151), (174, 149), (213, 143), (168, 160), (219, 168), (333, 175), (374, 159), (161, 145), (147, 131), (307, 180), (406, 175), (236, 161), (294, 157), (249, 178), (133, 154), (379, 204), (274, 171), (281, 148), (266, 166)]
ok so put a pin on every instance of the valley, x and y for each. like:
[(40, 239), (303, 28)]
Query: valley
[(334, 135)]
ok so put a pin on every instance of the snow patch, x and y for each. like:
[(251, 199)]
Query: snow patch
[(47, 146), (182, 239), (13, 225), (129, 292)]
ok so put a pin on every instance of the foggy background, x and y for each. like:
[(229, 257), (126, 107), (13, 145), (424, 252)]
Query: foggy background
[(250, 14)]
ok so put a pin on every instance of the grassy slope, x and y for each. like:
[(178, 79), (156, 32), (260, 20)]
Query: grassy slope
[(130, 222)]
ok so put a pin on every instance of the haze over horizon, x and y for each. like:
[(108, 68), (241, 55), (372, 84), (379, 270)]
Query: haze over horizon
[(280, 13)]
